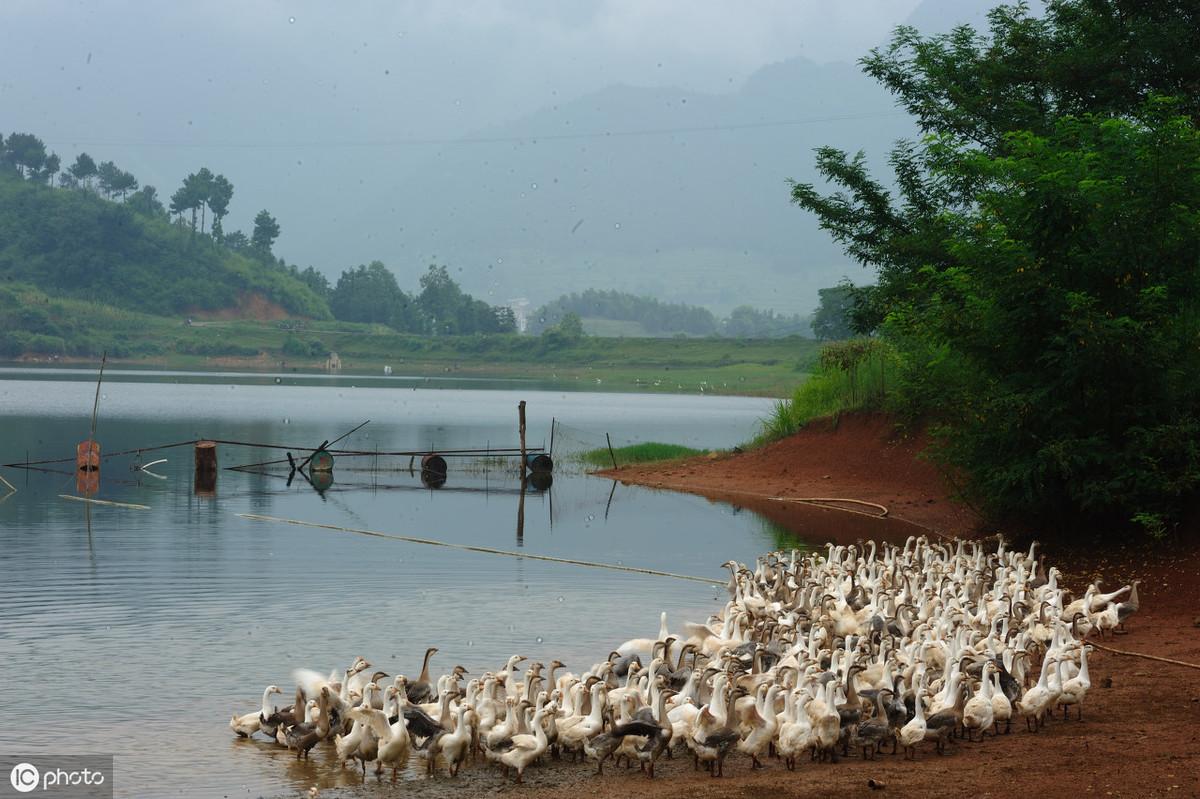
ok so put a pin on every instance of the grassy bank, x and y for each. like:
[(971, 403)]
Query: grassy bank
[(76, 330), (847, 376), (646, 452)]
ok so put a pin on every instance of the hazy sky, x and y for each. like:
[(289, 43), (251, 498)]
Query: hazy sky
[(291, 99)]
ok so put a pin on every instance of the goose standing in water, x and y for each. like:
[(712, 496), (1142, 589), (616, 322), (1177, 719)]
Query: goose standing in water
[(421, 691), (250, 723)]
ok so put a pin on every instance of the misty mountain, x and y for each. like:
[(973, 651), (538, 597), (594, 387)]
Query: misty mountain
[(675, 194)]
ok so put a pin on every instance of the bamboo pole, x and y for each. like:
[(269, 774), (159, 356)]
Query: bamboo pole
[(109, 503), (521, 429)]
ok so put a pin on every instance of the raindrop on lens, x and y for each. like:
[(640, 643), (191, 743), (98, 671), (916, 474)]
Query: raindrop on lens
[(291, 20)]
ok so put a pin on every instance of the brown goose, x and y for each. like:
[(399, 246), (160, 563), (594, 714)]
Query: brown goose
[(421, 691), (940, 727)]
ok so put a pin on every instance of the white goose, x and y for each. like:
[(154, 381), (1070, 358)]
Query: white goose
[(528, 748), (250, 723)]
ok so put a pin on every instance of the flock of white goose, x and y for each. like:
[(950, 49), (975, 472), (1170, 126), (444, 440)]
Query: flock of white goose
[(849, 651)]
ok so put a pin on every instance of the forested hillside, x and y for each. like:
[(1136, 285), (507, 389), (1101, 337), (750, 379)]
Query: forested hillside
[(75, 243), (657, 318)]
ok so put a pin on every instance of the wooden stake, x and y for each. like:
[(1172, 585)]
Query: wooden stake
[(521, 429), (611, 454)]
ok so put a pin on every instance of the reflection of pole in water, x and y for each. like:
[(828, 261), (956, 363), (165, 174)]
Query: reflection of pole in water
[(521, 517), (610, 498)]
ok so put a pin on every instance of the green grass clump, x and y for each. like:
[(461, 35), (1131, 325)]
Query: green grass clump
[(850, 376), (638, 453)]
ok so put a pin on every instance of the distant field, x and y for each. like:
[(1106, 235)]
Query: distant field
[(613, 328), (724, 366)]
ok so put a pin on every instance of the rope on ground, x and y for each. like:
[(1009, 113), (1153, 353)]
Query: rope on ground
[(883, 511), (1142, 655), (818, 501), (107, 502), (485, 550)]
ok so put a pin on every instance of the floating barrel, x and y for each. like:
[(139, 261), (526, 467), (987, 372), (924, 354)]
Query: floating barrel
[(206, 457), (433, 463), (433, 470), (539, 462), (322, 480), (321, 461), (433, 479), (206, 468), (87, 456), (87, 483), (540, 481)]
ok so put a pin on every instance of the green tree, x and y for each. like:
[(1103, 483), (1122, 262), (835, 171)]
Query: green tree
[(219, 194), (192, 196), (107, 177), (833, 319), (124, 184), (314, 280), (266, 230), (83, 170), (237, 241), (367, 294), (25, 153), (49, 169), (145, 201), (1037, 266), (202, 189), (441, 301), (569, 330)]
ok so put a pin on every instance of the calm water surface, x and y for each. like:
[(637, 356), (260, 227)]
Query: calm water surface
[(140, 632)]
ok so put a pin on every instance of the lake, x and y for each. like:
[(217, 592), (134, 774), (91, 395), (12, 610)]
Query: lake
[(139, 632)]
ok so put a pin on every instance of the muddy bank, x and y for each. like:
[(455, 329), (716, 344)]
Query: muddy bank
[(861, 456)]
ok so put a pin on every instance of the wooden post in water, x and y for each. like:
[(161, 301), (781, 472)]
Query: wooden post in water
[(521, 429), (611, 454), (206, 468), (521, 516)]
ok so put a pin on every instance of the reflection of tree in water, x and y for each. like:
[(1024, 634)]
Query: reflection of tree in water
[(780, 537)]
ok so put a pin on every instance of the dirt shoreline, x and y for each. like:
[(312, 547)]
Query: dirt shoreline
[(860, 456)]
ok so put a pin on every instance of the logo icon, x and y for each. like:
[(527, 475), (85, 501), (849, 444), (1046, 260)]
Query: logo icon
[(24, 777)]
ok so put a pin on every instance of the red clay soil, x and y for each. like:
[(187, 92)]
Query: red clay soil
[(250, 305), (860, 456)]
